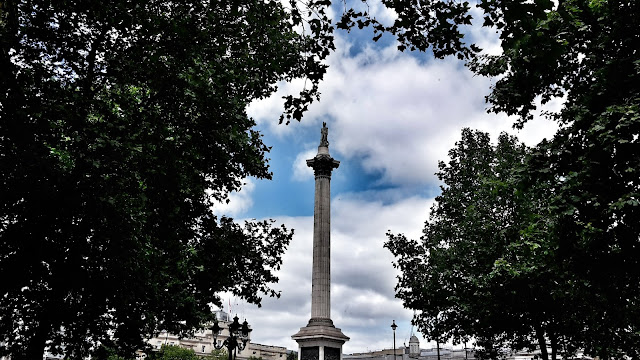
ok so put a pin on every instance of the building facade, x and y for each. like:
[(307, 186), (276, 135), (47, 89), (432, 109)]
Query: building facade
[(202, 342)]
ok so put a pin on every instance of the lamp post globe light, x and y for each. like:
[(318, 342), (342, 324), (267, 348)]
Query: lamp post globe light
[(238, 337), (394, 326)]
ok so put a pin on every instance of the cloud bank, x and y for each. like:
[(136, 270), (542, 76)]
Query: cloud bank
[(363, 278), (395, 115)]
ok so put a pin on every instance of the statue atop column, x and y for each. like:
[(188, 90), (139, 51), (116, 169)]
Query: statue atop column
[(325, 133), (323, 164)]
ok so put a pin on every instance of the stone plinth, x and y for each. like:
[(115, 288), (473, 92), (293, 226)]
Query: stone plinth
[(320, 342)]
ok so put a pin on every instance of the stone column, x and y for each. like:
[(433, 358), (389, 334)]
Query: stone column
[(322, 165), (320, 339)]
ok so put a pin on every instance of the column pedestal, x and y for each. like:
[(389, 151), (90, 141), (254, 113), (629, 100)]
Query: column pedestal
[(320, 342)]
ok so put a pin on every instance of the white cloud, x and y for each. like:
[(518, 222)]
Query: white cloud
[(409, 116), (376, 10), (487, 38), (239, 202), (301, 172), (363, 278), (398, 115)]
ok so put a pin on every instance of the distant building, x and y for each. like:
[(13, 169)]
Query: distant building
[(413, 352), (446, 353), (202, 342), (267, 352)]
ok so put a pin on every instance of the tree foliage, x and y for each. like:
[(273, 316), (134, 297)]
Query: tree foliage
[(218, 354), (173, 352), (483, 268), (119, 126)]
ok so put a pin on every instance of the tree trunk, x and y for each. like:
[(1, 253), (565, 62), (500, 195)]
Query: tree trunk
[(542, 342)]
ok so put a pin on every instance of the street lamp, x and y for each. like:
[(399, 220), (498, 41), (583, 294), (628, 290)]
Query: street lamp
[(394, 326), (465, 351), (238, 336)]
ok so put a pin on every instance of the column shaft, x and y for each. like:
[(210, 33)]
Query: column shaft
[(321, 279)]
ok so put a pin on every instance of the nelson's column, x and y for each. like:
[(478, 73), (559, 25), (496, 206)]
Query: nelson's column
[(320, 339)]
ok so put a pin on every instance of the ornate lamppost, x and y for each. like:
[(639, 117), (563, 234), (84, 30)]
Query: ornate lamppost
[(394, 326), (238, 336)]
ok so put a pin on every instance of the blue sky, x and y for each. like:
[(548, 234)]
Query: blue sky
[(391, 117)]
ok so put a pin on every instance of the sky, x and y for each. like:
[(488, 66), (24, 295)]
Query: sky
[(391, 117)]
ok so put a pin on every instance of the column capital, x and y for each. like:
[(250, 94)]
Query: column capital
[(323, 165)]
